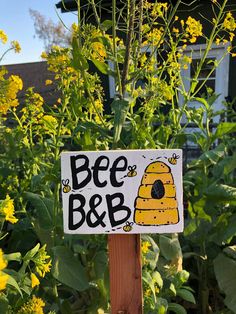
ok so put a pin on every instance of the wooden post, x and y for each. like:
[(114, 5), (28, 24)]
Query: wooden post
[(125, 274)]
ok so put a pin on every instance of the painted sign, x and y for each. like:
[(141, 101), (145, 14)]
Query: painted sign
[(132, 191)]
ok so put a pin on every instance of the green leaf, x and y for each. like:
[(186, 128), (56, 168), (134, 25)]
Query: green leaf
[(41, 216), (230, 251), (176, 308), (225, 128), (3, 305), (92, 126), (68, 270), (170, 247), (13, 257), (100, 264), (153, 254), (146, 276), (119, 108), (221, 192), (65, 307), (210, 157), (105, 25), (225, 229), (161, 306), (225, 271), (43, 209), (202, 101), (181, 277), (30, 254), (172, 289), (12, 282), (79, 62), (186, 295), (224, 166), (156, 277), (101, 66)]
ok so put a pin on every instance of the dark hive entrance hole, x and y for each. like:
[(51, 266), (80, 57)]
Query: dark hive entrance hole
[(158, 189)]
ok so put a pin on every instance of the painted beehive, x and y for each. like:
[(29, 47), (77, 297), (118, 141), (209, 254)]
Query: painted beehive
[(156, 203)]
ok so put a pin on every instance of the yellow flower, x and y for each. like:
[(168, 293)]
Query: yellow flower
[(229, 22), (3, 263), (158, 8), (33, 306), (145, 247), (50, 123), (175, 30), (7, 208), (193, 29), (42, 262), (48, 82), (154, 36), (74, 28), (3, 276), (9, 89), (44, 55), (231, 36), (34, 280), (147, 5), (16, 46), (147, 292), (99, 51), (3, 280), (99, 105), (3, 36)]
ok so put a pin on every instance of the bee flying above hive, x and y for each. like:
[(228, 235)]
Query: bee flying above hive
[(156, 203)]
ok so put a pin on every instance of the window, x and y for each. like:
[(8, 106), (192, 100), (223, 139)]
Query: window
[(217, 81)]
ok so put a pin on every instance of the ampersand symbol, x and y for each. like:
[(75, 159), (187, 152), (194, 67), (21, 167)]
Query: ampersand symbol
[(92, 211)]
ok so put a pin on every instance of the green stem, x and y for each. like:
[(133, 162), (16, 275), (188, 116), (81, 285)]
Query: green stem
[(16, 117), (96, 15), (128, 46), (3, 55), (79, 24), (154, 51), (117, 70)]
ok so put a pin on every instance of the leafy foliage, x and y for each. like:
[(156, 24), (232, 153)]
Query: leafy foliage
[(71, 273)]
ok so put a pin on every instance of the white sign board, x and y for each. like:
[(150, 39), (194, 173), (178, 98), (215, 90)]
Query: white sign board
[(131, 191)]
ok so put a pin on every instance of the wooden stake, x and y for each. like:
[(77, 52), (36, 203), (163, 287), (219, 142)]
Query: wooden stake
[(125, 274)]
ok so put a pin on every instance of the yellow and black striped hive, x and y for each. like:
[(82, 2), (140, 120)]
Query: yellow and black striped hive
[(156, 203)]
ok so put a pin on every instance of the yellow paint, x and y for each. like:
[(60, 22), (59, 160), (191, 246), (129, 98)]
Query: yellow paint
[(150, 203), (145, 191), (156, 217), (150, 178), (158, 167), (159, 209)]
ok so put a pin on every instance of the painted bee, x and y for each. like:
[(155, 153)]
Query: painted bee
[(132, 172), (128, 226), (66, 187), (173, 160)]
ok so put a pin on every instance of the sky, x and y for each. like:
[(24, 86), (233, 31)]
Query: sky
[(17, 23)]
